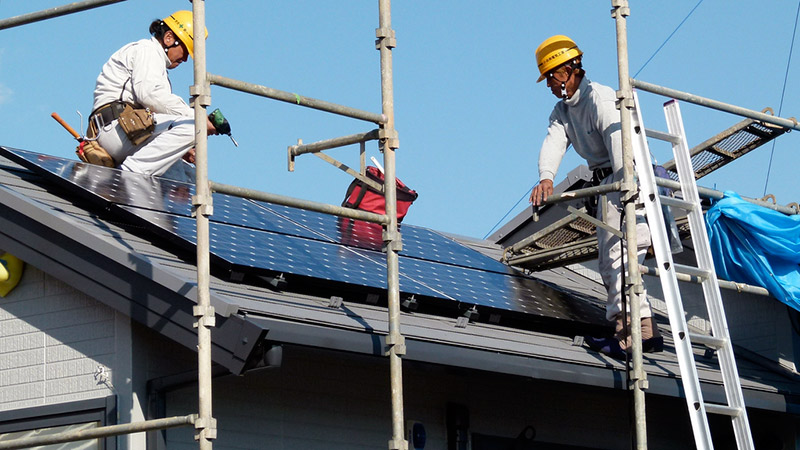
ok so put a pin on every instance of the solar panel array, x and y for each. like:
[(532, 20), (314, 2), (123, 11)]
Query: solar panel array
[(265, 238)]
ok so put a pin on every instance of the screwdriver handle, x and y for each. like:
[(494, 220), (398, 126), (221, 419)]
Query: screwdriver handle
[(66, 126)]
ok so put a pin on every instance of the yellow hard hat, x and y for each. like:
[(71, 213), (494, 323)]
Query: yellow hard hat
[(180, 22), (555, 51)]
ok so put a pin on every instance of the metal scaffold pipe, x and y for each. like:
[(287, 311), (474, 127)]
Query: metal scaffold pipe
[(324, 208), (389, 143), (635, 284), (714, 104), (205, 426), (100, 432), (295, 99), (54, 12), (717, 195), (319, 146)]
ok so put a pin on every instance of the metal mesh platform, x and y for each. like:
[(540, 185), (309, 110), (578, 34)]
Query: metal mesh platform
[(727, 146), (560, 237)]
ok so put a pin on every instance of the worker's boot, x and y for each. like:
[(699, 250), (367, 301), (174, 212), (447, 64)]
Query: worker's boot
[(652, 341), (611, 346)]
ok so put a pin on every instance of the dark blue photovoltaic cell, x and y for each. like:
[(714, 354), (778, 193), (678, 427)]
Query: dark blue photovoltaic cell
[(158, 194), (267, 251), (277, 239)]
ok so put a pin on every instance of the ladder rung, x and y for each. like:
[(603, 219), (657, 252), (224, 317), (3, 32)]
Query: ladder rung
[(724, 410), (662, 136), (672, 201), (694, 271), (708, 341)]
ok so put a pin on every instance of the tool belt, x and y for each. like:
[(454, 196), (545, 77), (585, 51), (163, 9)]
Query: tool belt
[(137, 123), (108, 112), (598, 175)]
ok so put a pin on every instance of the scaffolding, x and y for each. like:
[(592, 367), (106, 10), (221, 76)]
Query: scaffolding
[(710, 155), (203, 421), (202, 208)]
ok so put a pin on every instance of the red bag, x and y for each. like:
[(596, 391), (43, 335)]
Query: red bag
[(360, 196)]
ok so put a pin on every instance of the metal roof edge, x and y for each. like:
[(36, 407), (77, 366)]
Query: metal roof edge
[(370, 343)]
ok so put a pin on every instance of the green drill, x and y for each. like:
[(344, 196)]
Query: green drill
[(221, 124)]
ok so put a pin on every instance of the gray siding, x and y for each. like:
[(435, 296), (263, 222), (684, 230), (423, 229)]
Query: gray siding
[(53, 340)]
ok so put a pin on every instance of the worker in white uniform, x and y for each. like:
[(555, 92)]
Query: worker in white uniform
[(137, 75), (587, 118)]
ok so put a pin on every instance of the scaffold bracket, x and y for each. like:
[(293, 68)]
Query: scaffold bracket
[(200, 94), (386, 36), (208, 430), (396, 342)]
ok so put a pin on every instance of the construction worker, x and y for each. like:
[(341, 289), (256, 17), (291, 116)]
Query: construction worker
[(136, 75), (587, 118)]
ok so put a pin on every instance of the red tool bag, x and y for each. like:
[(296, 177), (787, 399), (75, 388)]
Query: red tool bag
[(360, 196)]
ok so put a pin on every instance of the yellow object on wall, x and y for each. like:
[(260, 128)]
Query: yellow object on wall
[(10, 272)]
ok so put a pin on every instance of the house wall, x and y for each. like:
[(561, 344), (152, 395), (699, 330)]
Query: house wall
[(330, 400), (53, 340)]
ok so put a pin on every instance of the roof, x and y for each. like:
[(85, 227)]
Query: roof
[(152, 280)]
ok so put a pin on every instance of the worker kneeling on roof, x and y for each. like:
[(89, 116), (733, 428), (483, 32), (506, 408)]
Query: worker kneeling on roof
[(586, 117), (157, 129)]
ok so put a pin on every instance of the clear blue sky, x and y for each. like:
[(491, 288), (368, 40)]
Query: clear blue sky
[(469, 113)]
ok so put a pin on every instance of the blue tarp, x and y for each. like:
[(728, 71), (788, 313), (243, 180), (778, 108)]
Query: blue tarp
[(756, 245)]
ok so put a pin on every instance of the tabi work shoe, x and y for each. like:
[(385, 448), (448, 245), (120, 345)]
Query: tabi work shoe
[(607, 346)]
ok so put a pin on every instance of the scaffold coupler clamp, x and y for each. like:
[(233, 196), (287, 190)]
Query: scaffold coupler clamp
[(620, 7), (397, 342), (207, 430), (385, 36), (392, 241), (389, 138), (204, 314), (202, 204)]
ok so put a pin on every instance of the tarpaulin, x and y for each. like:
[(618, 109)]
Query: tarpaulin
[(756, 245)]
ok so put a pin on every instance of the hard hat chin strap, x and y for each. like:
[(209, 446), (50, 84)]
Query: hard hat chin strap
[(564, 90)]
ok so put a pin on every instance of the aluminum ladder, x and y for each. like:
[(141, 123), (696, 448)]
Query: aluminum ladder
[(667, 270)]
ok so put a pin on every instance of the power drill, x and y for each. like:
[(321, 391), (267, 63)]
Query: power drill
[(221, 124)]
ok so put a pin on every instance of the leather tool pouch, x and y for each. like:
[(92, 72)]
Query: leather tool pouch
[(91, 152), (138, 124)]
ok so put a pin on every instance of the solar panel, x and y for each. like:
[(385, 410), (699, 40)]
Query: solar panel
[(263, 238)]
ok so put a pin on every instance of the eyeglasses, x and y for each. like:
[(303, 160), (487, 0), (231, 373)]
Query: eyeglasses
[(552, 74)]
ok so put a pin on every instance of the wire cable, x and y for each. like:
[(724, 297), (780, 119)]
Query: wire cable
[(527, 194), (783, 93), (667, 39)]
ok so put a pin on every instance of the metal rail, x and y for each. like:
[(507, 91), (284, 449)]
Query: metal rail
[(714, 104), (301, 149), (298, 203), (290, 97), (99, 432), (54, 12)]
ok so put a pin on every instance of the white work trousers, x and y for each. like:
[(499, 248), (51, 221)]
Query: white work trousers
[(611, 253), (172, 138)]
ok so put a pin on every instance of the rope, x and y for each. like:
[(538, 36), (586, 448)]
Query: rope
[(783, 92), (667, 40), (527, 194)]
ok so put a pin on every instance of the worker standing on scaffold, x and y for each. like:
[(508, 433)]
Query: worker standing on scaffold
[(136, 76), (586, 117)]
